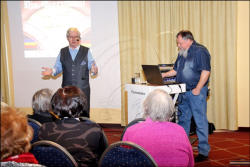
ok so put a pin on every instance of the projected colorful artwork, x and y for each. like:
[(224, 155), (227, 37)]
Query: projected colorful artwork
[(45, 24)]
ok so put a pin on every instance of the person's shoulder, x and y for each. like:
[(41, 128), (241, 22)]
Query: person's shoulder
[(199, 47), (90, 128), (35, 117), (66, 47), (176, 126), (140, 126), (84, 47), (91, 124)]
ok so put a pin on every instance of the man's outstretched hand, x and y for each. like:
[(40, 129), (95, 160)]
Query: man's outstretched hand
[(47, 71)]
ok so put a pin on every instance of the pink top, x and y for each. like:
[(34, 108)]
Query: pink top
[(166, 142)]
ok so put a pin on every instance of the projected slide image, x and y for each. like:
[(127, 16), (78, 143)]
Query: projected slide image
[(45, 24)]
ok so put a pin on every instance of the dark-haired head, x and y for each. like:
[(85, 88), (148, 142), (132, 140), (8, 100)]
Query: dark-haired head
[(70, 102), (185, 34), (184, 39)]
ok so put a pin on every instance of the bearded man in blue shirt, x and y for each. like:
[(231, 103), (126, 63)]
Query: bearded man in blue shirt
[(192, 67), (75, 62)]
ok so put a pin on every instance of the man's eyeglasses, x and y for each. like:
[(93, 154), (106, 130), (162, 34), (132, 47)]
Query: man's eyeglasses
[(74, 37)]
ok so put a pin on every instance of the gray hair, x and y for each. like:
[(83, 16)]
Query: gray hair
[(73, 29), (185, 34), (41, 101), (158, 106)]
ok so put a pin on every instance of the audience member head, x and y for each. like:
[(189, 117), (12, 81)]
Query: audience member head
[(70, 102), (158, 106), (41, 102), (16, 134)]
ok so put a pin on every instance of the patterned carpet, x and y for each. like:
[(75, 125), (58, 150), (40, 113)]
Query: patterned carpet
[(228, 148)]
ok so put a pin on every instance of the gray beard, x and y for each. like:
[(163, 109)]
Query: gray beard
[(183, 53)]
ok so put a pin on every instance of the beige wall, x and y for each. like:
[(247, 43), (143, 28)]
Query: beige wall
[(243, 64)]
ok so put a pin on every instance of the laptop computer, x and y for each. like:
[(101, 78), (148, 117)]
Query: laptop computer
[(153, 75)]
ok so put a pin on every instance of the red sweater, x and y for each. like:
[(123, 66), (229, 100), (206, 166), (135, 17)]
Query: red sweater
[(22, 158)]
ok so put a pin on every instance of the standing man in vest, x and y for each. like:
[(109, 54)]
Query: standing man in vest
[(75, 62), (192, 67)]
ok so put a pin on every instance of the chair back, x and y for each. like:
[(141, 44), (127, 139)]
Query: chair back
[(126, 154), (36, 126), (135, 121), (51, 154)]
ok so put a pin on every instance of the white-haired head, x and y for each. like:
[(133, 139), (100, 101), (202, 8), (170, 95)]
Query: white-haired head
[(73, 29), (158, 106)]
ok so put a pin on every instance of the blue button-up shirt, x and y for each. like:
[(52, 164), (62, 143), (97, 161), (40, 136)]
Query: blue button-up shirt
[(73, 52), (189, 68)]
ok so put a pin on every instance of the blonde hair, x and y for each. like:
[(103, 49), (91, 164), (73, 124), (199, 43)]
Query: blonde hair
[(73, 29), (16, 134)]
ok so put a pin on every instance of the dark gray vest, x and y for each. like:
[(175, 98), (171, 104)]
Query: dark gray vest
[(75, 72)]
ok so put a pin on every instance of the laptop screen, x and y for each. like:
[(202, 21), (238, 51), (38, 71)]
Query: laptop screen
[(153, 75)]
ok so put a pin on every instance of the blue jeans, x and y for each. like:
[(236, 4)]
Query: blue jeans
[(196, 106)]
